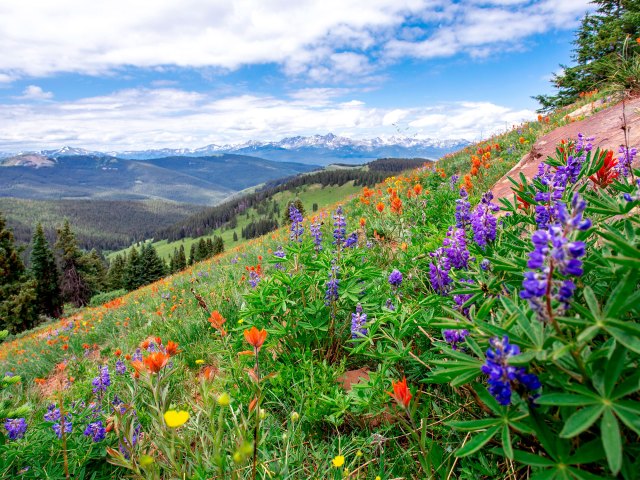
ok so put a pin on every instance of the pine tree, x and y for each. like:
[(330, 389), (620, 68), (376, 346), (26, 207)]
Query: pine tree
[(45, 273), (202, 252), (235, 237), (192, 254), (132, 271), (94, 271), (218, 245), (181, 260), (18, 306), (115, 276), (74, 287), (152, 266), (210, 248), (172, 261)]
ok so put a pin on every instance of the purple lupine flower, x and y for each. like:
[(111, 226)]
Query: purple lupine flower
[(636, 196), (454, 337), (395, 279), (331, 294), (254, 278), (96, 431), (456, 248), (121, 368), (483, 223), (280, 253), (389, 305), (439, 272), (66, 424), (453, 180), (463, 210), (583, 144), (127, 447), (53, 413), (296, 223), (485, 264), (351, 240), (137, 355), (16, 427), (118, 405), (502, 376), (339, 223), (461, 298), (316, 233), (358, 322), (625, 160), (102, 381)]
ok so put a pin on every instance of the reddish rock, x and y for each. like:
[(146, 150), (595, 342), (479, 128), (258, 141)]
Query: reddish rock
[(605, 125), (353, 376)]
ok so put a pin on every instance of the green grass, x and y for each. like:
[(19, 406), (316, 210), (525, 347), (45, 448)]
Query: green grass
[(310, 194)]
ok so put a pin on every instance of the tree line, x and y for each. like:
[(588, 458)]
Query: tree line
[(212, 218), (65, 274)]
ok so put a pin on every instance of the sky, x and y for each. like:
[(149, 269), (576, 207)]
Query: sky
[(132, 75)]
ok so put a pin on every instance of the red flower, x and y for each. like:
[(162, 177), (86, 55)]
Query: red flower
[(118, 352), (255, 338), (217, 321), (401, 392), (172, 348), (607, 174), (380, 207), (156, 361)]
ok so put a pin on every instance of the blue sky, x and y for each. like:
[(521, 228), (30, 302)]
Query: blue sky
[(124, 75)]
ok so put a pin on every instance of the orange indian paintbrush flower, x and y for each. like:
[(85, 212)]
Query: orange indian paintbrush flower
[(401, 392), (255, 337), (172, 348), (156, 361)]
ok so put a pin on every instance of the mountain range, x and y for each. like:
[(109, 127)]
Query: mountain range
[(314, 149)]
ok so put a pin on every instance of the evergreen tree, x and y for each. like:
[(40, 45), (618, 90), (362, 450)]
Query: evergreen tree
[(598, 46), (152, 266), (45, 273), (18, 306), (181, 260), (218, 245), (94, 272), (202, 251), (192, 254), (235, 237), (210, 248), (115, 276), (74, 287), (133, 270), (172, 261)]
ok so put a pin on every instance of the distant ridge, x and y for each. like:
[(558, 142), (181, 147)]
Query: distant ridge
[(314, 149)]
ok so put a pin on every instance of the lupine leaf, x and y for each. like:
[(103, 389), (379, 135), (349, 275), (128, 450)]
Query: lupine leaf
[(477, 442), (506, 442), (581, 421), (611, 440), (473, 425), (566, 400)]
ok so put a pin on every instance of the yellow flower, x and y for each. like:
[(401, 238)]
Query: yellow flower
[(295, 416), (199, 361), (224, 399), (378, 477), (359, 453), (338, 461), (176, 419), (146, 460)]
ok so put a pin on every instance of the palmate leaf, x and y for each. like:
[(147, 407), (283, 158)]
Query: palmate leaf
[(566, 400), (581, 420)]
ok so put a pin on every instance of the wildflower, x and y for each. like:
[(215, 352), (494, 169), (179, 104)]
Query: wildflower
[(224, 399), (380, 207), (102, 381), (338, 461), (439, 271), (172, 348), (217, 321), (255, 338), (199, 361), (417, 189), (463, 210), (456, 248), (607, 173), (502, 376), (175, 419), (295, 416), (331, 294), (53, 413), (625, 160), (316, 233), (16, 427), (401, 392), (339, 223), (483, 222), (63, 424), (454, 337), (156, 361), (118, 352), (146, 461), (96, 431), (485, 264), (389, 305), (358, 322), (121, 368), (296, 223), (395, 278)]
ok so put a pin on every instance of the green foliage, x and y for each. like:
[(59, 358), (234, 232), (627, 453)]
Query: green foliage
[(18, 308), (45, 272)]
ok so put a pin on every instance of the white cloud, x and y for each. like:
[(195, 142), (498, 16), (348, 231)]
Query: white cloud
[(323, 39), (166, 117), (33, 92)]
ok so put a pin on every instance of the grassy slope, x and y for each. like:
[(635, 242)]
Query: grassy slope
[(308, 195), (168, 309)]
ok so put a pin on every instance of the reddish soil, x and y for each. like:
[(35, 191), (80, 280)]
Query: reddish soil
[(605, 125)]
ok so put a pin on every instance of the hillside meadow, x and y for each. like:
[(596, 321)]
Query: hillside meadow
[(421, 329)]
